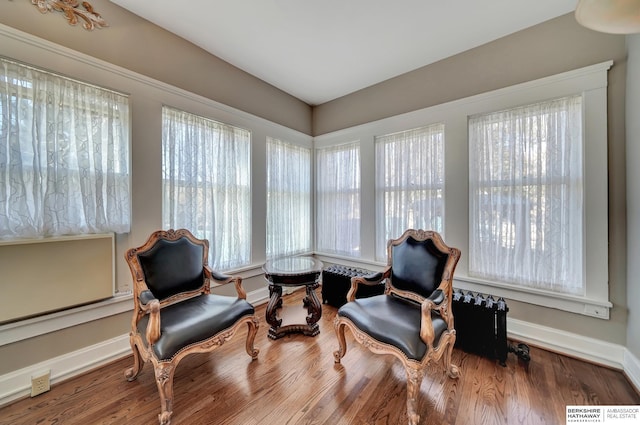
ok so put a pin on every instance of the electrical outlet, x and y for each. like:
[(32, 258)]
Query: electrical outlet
[(40, 383)]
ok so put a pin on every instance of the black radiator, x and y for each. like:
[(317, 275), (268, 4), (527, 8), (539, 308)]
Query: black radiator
[(336, 282), (481, 326)]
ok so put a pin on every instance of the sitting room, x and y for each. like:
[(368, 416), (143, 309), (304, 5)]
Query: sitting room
[(275, 212)]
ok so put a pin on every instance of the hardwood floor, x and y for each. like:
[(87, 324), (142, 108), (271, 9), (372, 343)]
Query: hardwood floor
[(295, 381)]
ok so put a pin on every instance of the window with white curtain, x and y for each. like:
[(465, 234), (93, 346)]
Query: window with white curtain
[(338, 200), (526, 196), (288, 198), (206, 178), (64, 155), (409, 183)]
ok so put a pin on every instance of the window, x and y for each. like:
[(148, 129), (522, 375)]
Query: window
[(206, 177), (338, 200), (64, 155), (526, 196), (409, 183), (288, 198), (525, 183)]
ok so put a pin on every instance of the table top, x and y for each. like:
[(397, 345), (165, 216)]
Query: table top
[(292, 266)]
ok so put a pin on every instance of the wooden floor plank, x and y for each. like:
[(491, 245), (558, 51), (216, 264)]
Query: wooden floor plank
[(296, 382)]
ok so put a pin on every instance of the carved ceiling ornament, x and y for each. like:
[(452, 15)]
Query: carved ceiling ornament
[(72, 11)]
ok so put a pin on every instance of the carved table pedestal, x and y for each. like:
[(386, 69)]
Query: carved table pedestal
[(293, 271)]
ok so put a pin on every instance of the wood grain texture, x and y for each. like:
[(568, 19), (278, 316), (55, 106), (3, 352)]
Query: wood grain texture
[(294, 381)]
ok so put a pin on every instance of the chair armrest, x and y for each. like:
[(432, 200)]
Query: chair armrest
[(147, 303), (436, 301), (437, 297), (145, 298), (220, 278), (369, 279), (223, 279), (153, 326)]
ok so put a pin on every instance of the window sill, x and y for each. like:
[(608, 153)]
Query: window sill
[(348, 261), (29, 328), (571, 303)]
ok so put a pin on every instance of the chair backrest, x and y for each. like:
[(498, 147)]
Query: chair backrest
[(417, 262), (173, 263)]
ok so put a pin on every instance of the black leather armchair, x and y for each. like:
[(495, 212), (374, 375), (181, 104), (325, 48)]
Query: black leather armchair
[(413, 320), (175, 313)]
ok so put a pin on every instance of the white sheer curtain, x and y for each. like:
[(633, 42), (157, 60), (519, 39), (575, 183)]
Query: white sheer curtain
[(409, 183), (64, 155), (206, 176), (526, 196), (288, 198), (338, 200)]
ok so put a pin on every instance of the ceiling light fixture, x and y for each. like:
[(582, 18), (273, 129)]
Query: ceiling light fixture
[(610, 16)]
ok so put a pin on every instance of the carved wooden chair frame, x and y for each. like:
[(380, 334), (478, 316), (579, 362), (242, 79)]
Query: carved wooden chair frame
[(165, 369), (415, 370)]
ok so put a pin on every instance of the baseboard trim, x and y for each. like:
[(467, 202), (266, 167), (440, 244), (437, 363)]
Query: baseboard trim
[(17, 384), (568, 343), (584, 348), (631, 367)]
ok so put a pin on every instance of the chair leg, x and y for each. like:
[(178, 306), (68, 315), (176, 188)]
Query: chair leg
[(164, 379), (251, 336), (414, 380), (452, 370), (133, 372), (342, 342)]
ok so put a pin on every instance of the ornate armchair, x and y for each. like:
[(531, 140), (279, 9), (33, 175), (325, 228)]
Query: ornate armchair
[(412, 320), (174, 312)]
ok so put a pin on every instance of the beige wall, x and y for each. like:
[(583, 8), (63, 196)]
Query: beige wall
[(35, 350), (549, 48), (140, 46)]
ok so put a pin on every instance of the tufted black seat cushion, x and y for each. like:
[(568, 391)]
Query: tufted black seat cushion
[(372, 315), (195, 320)]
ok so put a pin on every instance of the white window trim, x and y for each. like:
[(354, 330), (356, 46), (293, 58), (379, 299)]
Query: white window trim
[(317, 220), (213, 127), (382, 190), (572, 303), (591, 82), (288, 145)]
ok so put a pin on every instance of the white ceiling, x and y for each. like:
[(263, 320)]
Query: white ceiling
[(319, 50)]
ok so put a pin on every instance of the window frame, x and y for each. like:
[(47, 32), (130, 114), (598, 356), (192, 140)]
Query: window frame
[(115, 165), (591, 82), (351, 193), (303, 196), (429, 132), (243, 186), (511, 185)]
